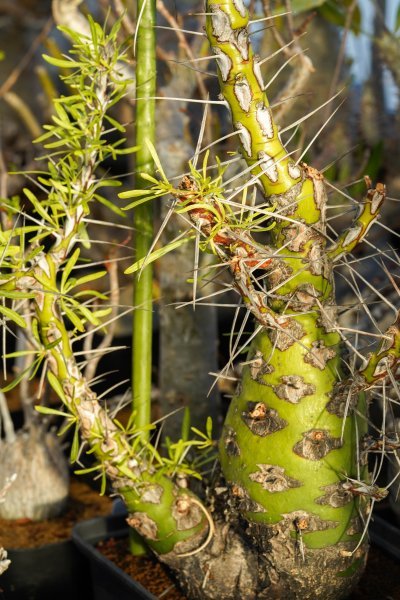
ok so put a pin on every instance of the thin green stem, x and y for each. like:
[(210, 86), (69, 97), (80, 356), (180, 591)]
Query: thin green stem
[(143, 219)]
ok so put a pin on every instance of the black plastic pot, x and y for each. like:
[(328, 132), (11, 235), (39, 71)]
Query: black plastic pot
[(51, 572), (109, 581)]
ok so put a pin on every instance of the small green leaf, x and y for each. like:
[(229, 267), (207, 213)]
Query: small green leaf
[(12, 316), (75, 446), (73, 317), (46, 410), (134, 193), (209, 427), (157, 254), (63, 63), (148, 177), (86, 278), (68, 268), (38, 207), (103, 484), (57, 387), (157, 161), (15, 381), (88, 470)]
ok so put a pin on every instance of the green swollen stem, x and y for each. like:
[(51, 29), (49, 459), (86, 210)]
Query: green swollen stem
[(289, 445), (143, 218)]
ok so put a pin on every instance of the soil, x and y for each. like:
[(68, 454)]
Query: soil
[(379, 582), (151, 574), (84, 503)]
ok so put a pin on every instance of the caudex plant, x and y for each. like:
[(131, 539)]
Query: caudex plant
[(287, 516)]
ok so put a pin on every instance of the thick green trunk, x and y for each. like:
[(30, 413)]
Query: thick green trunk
[(289, 443)]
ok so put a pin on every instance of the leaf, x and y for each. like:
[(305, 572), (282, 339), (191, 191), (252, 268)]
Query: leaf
[(63, 63), (12, 316), (103, 484), (109, 205), (88, 470), (15, 381), (209, 427), (75, 320), (38, 207), (115, 124), (134, 193), (68, 268), (46, 410), (86, 278), (129, 150), (157, 161), (157, 254), (75, 445), (57, 387)]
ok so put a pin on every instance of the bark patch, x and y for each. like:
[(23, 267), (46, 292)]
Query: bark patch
[(230, 443), (336, 495), (285, 337), (143, 525), (273, 478), (319, 355), (316, 444), (259, 367), (152, 494), (242, 501), (293, 388), (262, 420), (186, 513)]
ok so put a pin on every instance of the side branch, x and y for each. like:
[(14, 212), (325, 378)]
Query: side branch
[(368, 214)]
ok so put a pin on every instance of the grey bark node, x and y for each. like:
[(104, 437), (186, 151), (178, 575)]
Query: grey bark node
[(243, 92), (287, 202), (293, 388), (268, 166), (262, 420), (264, 119), (241, 41), (285, 338), (224, 63), (241, 500), (304, 298), (305, 522), (343, 401), (152, 494), (316, 444), (221, 25), (273, 478), (318, 262), (230, 443), (186, 513), (336, 495), (143, 524), (240, 7), (297, 235), (319, 355), (259, 367)]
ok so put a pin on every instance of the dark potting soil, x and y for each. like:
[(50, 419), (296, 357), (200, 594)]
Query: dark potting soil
[(151, 574), (381, 580), (83, 503)]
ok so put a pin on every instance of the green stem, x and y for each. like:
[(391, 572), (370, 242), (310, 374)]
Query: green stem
[(143, 219)]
